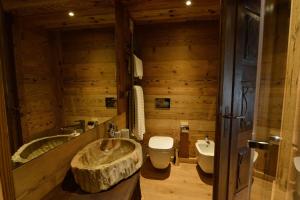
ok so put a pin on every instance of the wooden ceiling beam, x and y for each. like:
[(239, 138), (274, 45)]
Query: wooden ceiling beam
[(83, 18), (156, 11), (135, 5), (36, 7), (10, 5), (53, 13)]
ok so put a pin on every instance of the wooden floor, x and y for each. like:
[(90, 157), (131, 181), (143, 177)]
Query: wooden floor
[(183, 182), (266, 190), (187, 182), (261, 189)]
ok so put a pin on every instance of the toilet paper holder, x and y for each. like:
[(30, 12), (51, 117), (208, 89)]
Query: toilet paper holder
[(184, 128)]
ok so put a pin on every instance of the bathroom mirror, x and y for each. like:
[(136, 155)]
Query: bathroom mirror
[(62, 76)]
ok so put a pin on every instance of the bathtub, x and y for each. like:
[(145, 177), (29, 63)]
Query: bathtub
[(205, 155)]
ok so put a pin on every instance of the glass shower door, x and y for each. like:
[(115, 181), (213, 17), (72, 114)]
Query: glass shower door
[(270, 102)]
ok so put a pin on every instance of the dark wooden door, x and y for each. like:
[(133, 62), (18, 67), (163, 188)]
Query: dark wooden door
[(243, 103), (10, 86), (240, 31)]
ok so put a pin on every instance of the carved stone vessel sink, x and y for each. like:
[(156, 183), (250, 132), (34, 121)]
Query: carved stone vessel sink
[(105, 162), (38, 147)]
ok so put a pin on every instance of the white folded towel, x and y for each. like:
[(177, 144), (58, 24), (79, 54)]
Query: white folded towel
[(138, 67), (139, 126)]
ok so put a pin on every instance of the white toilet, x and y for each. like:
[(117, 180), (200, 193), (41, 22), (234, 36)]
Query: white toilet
[(297, 166), (160, 151)]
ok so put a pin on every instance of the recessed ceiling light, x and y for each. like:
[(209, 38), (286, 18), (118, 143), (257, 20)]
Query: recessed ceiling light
[(188, 3), (71, 14)]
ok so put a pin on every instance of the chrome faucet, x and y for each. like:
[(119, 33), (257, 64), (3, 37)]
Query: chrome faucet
[(80, 125), (207, 140), (112, 129)]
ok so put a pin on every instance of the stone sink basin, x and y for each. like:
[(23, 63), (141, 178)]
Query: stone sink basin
[(37, 147), (105, 162)]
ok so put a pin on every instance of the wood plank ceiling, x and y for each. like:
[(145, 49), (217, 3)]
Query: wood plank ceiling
[(155, 11), (52, 14)]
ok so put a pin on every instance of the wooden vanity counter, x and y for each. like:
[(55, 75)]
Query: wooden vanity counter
[(128, 189)]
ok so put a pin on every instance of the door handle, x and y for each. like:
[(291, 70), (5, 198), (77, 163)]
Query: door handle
[(275, 138), (234, 117), (254, 144), (264, 145)]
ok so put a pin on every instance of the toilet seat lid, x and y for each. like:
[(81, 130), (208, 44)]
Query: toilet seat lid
[(161, 142)]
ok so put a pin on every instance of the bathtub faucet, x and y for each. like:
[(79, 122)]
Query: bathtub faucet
[(207, 140), (79, 126)]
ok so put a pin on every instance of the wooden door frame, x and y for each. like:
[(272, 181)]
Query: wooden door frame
[(223, 126), (10, 85), (228, 18), (6, 175), (123, 50)]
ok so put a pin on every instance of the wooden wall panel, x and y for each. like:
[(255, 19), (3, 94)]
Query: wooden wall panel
[(181, 63), (36, 82), (88, 73)]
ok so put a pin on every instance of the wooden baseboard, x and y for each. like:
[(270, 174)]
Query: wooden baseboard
[(191, 160), (263, 176)]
